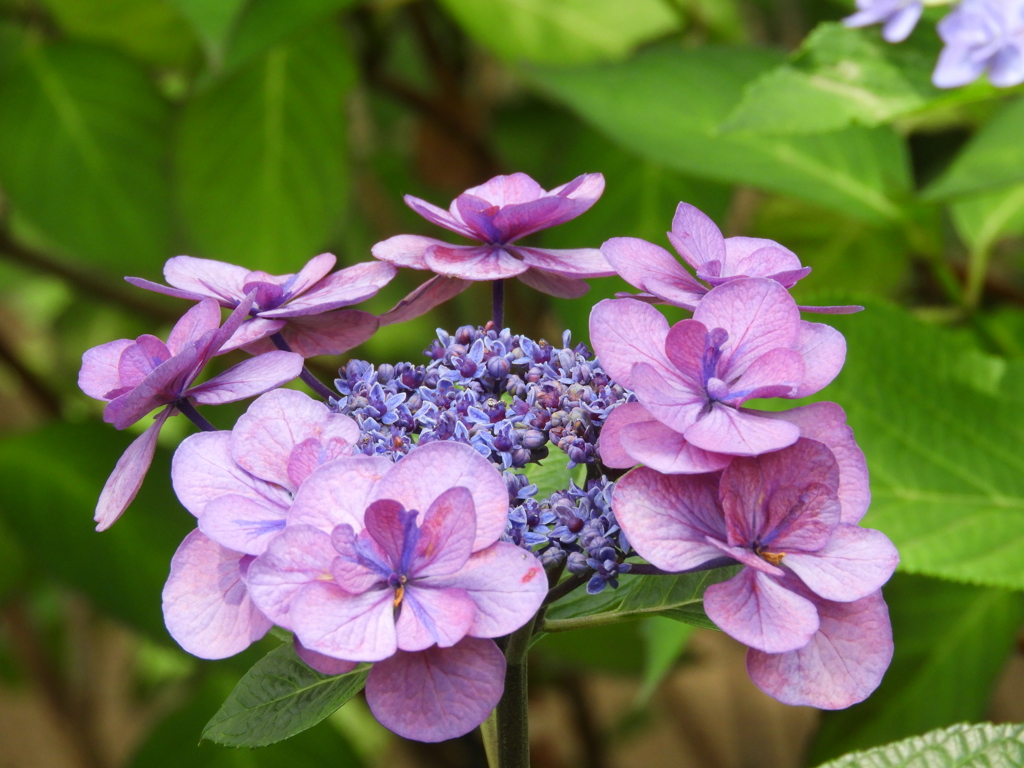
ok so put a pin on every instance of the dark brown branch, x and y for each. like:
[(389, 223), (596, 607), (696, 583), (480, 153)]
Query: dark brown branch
[(33, 382)]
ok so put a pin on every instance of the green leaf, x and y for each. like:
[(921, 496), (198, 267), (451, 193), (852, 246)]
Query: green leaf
[(563, 31), (946, 460), (677, 597), (49, 482), (666, 104), (174, 743), (266, 23), (960, 746), (553, 474), (279, 697), (984, 218), (212, 20), (994, 157), (151, 30), (951, 642), (665, 642), (83, 140), (261, 156)]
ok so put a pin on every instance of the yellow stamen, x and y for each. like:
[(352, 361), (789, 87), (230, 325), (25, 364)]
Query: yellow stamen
[(772, 557), (399, 594)]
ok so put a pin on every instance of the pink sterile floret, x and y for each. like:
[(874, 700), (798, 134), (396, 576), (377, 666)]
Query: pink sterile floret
[(497, 213), (400, 564), (305, 308), (715, 259), (746, 340), (239, 485), (808, 577), (136, 377)]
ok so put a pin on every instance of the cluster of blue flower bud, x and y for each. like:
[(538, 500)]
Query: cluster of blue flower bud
[(506, 395)]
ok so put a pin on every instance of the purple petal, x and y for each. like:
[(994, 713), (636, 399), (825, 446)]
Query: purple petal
[(672, 401), (393, 529), (740, 432), (408, 250), (696, 237), (265, 436), (160, 387), (899, 26), (957, 66), (194, 324), (249, 378), (855, 562), (325, 665), (554, 285), (577, 262), (129, 472), (99, 374), (338, 492), (776, 373), (207, 608), (439, 693), (587, 188), (474, 262), (298, 556), (140, 359), (242, 523), (351, 570), (177, 293), (212, 343), (478, 214), (668, 518), (506, 583), (664, 450), (747, 249), (774, 261), (841, 665), (431, 616), (250, 332), (328, 620), (207, 277), (685, 345), (203, 469), (848, 309), (826, 423), (521, 219), (758, 314), (624, 332), (332, 333), (638, 261), (438, 216), (446, 535), (1006, 68), (434, 292), (758, 611), (347, 286), (824, 352), (508, 190), (315, 270), (430, 470), (310, 454), (610, 448)]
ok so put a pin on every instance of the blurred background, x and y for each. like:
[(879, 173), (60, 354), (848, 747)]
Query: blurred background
[(263, 132)]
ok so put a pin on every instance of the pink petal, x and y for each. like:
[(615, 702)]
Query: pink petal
[(177, 293), (203, 469), (740, 432), (298, 556), (249, 378), (674, 402), (325, 665), (338, 492), (129, 472), (675, 292), (772, 261), (430, 470), (610, 448), (505, 582), (250, 332), (842, 664), (588, 187), (207, 608), (392, 528), (439, 693), (332, 333), (310, 454), (160, 387), (624, 332), (664, 450), (638, 261), (756, 610), (194, 324), (738, 249), (578, 262), (696, 237), (826, 423), (265, 436), (434, 292), (315, 270), (776, 373), (474, 262), (433, 617), (685, 345), (758, 314), (668, 518), (216, 279), (521, 219), (328, 620), (508, 190), (554, 285), (446, 535), (824, 352), (347, 286), (140, 359), (855, 562), (242, 523), (99, 374), (408, 250), (435, 215), (212, 343)]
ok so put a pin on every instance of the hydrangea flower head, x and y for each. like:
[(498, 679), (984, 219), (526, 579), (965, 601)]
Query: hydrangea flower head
[(898, 17), (138, 376), (781, 517), (982, 35), (305, 308), (496, 214)]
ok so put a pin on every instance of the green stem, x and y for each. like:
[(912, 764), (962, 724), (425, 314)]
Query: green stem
[(512, 721)]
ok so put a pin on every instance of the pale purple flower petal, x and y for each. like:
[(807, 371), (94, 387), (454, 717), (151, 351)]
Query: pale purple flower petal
[(325, 665), (899, 26), (432, 293), (576, 262), (338, 493), (777, 373), (315, 270), (840, 666), (512, 189), (980, 35), (242, 523), (624, 332), (740, 432), (251, 331), (651, 268), (129, 472), (474, 262), (99, 374), (439, 693), (207, 608), (553, 284), (331, 333), (206, 277), (446, 535), (298, 556), (340, 289), (824, 351), (759, 612), (697, 238), (432, 616), (140, 359), (853, 564), (610, 448), (160, 387), (177, 293), (663, 449), (249, 378), (408, 250), (328, 620), (668, 400), (434, 215)]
